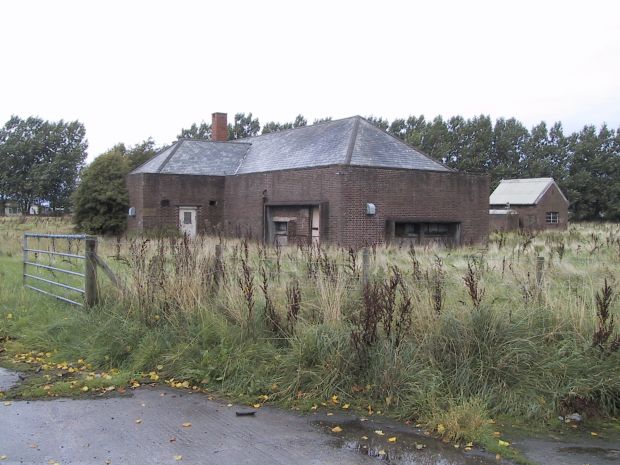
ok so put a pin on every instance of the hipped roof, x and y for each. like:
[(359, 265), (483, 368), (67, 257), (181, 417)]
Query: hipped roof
[(351, 141)]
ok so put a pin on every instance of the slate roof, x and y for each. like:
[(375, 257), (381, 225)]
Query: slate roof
[(196, 157), (350, 141), (521, 191)]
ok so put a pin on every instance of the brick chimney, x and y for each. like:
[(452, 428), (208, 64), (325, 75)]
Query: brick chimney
[(219, 127)]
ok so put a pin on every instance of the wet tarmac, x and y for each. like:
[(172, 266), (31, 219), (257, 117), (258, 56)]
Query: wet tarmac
[(7, 379), (593, 452), (165, 426), (148, 428)]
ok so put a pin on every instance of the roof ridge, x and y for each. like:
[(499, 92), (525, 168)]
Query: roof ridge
[(158, 153), (161, 167), (307, 126), (424, 154), (550, 182), (352, 140), (245, 155), (547, 178), (238, 142)]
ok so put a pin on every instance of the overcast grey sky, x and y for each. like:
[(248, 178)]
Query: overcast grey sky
[(130, 70)]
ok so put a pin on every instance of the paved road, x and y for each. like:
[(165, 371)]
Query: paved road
[(147, 428)]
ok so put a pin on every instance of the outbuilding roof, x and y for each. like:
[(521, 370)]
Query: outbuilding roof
[(522, 191), (351, 141)]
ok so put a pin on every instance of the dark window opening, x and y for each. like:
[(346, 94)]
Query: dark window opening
[(281, 227), (212, 203), (407, 229), (436, 229), (164, 203), (187, 217), (420, 232)]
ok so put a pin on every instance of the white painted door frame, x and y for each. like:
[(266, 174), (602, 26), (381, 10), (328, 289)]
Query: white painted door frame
[(187, 220)]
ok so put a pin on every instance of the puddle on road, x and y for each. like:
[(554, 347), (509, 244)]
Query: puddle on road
[(409, 449), (8, 379), (613, 455)]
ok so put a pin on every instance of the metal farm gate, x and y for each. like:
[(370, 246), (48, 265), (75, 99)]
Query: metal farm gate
[(63, 266)]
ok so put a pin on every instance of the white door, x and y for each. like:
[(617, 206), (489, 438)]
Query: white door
[(187, 221), (315, 225)]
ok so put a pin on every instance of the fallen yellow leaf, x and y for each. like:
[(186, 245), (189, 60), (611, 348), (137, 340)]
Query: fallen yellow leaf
[(178, 458), (419, 446), (503, 443), (345, 406), (3, 457), (381, 452), (85, 388), (379, 432), (440, 428), (329, 414), (392, 439), (592, 433), (497, 433), (256, 405), (467, 449), (364, 438), (187, 424), (335, 399), (336, 429), (7, 403), (138, 421)]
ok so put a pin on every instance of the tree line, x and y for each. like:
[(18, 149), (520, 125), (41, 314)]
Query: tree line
[(585, 163), (41, 161)]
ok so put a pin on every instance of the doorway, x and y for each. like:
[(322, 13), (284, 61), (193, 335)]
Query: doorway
[(187, 221), (315, 220)]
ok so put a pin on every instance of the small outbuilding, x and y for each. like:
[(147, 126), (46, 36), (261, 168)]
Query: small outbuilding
[(530, 204)]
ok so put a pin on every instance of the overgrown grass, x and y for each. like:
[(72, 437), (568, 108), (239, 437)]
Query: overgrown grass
[(450, 337)]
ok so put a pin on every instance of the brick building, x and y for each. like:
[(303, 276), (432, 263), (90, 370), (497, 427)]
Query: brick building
[(532, 204), (343, 182)]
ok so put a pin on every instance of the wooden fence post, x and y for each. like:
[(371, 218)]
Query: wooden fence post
[(90, 286), (217, 278), (365, 266), (540, 266)]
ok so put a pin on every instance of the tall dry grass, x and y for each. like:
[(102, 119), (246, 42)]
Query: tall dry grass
[(435, 332)]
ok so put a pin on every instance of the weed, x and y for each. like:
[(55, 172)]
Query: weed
[(472, 283), (602, 337)]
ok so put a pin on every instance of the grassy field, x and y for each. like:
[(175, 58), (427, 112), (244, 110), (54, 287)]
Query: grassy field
[(449, 338)]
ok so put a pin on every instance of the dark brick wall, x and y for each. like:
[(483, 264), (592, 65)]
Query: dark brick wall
[(147, 191), (246, 195), (501, 222), (341, 191), (406, 195)]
